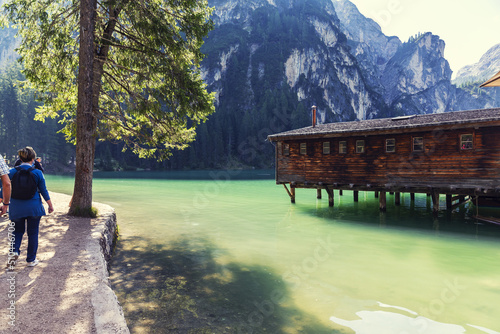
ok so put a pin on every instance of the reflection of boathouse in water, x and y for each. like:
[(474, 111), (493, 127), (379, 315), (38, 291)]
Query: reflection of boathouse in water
[(453, 153)]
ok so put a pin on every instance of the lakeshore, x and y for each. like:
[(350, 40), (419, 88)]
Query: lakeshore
[(69, 291)]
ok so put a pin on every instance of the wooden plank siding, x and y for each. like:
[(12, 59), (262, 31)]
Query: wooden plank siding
[(442, 165)]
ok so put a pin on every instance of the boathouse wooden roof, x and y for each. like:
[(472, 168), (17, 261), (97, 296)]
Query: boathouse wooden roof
[(402, 123)]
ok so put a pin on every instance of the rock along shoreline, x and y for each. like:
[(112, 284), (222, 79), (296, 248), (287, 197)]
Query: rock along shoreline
[(69, 291)]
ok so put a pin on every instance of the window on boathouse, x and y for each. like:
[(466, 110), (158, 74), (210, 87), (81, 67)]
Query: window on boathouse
[(418, 144), (390, 145), (286, 149), (303, 148), (360, 146), (326, 147), (342, 147), (466, 142)]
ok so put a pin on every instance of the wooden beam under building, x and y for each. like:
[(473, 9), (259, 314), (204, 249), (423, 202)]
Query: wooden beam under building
[(435, 201), (397, 199), (330, 196), (382, 201), (290, 192)]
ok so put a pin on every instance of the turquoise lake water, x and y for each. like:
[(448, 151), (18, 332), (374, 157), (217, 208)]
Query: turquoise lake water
[(226, 252)]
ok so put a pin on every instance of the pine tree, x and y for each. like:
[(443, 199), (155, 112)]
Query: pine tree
[(138, 73)]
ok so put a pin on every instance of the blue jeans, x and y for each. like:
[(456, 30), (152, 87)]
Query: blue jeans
[(33, 224)]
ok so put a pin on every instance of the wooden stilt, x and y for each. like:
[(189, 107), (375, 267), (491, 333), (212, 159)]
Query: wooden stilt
[(376, 194), (330, 196), (435, 201), (356, 195), (290, 192), (341, 192), (318, 191), (382, 201), (397, 199), (412, 197)]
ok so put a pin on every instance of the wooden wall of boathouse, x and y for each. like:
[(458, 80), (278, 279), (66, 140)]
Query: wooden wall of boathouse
[(442, 165)]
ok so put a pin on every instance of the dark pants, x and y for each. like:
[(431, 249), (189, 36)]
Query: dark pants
[(33, 223)]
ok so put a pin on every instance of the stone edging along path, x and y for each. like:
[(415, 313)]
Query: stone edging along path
[(69, 290)]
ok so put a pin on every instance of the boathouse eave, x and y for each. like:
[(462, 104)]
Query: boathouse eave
[(414, 123)]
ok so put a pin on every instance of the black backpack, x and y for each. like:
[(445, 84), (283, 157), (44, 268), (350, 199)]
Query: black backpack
[(24, 185)]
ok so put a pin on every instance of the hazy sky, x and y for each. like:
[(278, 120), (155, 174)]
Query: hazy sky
[(468, 27)]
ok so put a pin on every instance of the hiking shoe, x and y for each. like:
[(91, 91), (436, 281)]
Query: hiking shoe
[(11, 261), (33, 263)]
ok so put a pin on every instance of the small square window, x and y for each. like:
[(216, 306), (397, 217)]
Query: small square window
[(303, 148), (342, 147), (390, 145), (466, 142), (326, 147), (418, 144), (286, 149), (360, 146)]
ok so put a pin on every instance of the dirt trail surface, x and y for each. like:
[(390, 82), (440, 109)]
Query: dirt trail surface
[(68, 291)]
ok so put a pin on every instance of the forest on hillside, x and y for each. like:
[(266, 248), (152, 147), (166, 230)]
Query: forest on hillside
[(18, 128)]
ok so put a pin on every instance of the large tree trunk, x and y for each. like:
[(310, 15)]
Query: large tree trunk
[(86, 122)]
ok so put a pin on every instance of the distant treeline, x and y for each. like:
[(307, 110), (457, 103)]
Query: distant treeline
[(18, 129)]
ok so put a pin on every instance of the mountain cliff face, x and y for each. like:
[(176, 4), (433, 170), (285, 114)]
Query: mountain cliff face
[(417, 78), (294, 43), (329, 54), (369, 45)]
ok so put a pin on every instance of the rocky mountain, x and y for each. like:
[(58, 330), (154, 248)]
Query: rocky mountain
[(369, 45), (416, 79), (297, 44), (485, 68), (351, 71), (413, 77)]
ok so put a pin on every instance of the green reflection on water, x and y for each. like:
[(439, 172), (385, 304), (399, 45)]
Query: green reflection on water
[(229, 256)]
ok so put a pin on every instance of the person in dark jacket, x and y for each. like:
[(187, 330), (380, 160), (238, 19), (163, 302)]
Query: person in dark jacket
[(26, 214)]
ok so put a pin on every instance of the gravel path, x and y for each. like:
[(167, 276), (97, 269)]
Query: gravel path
[(68, 291)]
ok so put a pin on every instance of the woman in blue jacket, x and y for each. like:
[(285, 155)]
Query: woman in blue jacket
[(28, 212)]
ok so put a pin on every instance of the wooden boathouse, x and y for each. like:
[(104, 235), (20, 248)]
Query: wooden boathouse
[(456, 154)]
